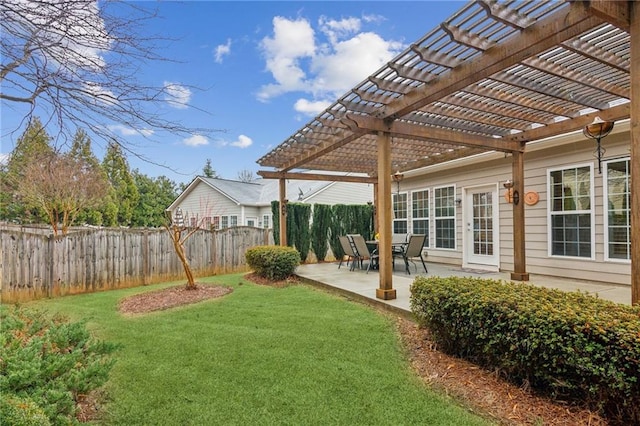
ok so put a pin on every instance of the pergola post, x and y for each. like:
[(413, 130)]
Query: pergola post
[(634, 32), (283, 212), (519, 256), (384, 212)]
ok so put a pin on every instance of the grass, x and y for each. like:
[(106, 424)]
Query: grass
[(259, 356)]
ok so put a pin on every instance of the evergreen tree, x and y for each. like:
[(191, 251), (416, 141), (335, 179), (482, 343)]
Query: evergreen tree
[(81, 152), (208, 170), (34, 142), (124, 191), (156, 194)]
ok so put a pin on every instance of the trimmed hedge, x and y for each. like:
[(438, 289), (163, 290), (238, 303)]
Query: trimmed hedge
[(273, 262), (46, 365), (569, 345)]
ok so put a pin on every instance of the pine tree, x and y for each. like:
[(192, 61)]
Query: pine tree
[(34, 142), (124, 191), (208, 170)]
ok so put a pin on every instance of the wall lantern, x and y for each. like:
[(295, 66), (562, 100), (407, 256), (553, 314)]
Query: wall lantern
[(598, 130), (284, 206), (178, 219), (511, 195), (397, 177)]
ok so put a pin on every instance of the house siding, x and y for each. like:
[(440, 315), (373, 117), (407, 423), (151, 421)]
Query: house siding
[(204, 201), (343, 193), (496, 168)]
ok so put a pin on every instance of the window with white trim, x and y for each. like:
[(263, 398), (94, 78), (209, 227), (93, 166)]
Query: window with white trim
[(233, 220), (225, 222), (265, 221), (400, 213), (216, 222), (445, 217), (618, 211), (420, 214), (571, 214)]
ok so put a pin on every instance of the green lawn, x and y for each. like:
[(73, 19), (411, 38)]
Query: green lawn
[(259, 356)]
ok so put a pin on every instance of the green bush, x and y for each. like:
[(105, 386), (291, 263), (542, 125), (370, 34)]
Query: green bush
[(48, 363), (22, 412), (571, 346), (273, 262)]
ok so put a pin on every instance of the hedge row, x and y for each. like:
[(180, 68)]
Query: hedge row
[(568, 345)]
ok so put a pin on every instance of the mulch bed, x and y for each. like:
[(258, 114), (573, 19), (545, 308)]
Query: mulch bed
[(171, 297)]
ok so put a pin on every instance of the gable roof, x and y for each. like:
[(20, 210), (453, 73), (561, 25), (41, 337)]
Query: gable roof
[(259, 192)]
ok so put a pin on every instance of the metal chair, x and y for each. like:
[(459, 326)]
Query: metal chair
[(362, 251), (414, 249), (348, 250)]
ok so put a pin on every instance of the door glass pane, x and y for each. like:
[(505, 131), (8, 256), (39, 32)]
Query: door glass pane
[(483, 223)]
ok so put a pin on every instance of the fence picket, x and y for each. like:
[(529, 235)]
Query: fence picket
[(34, 264)]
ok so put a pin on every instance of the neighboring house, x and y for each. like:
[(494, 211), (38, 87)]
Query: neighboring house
[(577, 219), (221, 203)]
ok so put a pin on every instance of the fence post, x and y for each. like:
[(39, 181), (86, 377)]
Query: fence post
[(145, 257), (50, 249)]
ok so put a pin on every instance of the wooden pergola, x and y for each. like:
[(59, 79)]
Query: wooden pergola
[(493, 77)]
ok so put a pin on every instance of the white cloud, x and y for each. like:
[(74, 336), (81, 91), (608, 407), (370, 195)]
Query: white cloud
[(336, 30), (242, 142), (311, 108), (222, 50), (196, 140), (177, 95), (292, 41), (351, 61), (4, 158), (324, 64), (128, 131)]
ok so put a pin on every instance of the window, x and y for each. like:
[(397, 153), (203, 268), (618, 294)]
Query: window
[(618, 219), (571, 214), (265, 221), (233, 220), (400, 213), (420, 214), (225, 222), (445, 217), (206, 222), (216, 222)]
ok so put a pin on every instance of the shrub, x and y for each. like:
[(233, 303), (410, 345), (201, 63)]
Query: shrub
[(46, 364), (569, 345), (22, 412), (273, 262)]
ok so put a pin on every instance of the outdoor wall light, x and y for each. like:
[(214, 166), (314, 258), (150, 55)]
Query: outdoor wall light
[(511, 195), (597, 130), (284, 206), (397, 177)]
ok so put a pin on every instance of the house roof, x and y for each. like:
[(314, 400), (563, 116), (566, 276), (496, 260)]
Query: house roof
[(492, 77), (259, 192)]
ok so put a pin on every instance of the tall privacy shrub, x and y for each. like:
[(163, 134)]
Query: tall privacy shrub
[(299, 215), (350, 219), (275, 212), (320, 230)]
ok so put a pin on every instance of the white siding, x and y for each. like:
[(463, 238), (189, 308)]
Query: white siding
[(537, 163), (343, 193), (204, 201)]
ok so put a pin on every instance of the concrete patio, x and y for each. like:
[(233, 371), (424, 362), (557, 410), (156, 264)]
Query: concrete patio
[(360, 285)]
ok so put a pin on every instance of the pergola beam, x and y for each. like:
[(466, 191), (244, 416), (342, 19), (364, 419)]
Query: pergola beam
[(615, 12), (543, 35), (431, 134), (316, 176)]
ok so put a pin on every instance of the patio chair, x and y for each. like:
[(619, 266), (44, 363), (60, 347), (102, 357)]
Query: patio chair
[(347, 248), (412, 250), (362, 251)]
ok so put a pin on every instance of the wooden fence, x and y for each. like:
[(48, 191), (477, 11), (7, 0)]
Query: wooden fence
[(36, 265)]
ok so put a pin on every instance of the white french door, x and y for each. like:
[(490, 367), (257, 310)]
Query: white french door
[(480, 211)]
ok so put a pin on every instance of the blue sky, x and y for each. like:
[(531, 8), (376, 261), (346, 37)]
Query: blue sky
[(263, 70)]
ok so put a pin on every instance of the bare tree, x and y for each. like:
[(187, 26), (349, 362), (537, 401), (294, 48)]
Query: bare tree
[(77, 61), (61, 186), (179, 232), (246, 176)]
